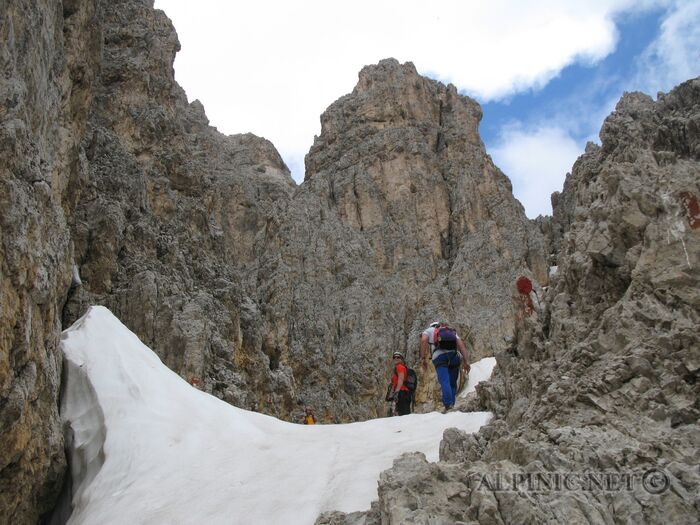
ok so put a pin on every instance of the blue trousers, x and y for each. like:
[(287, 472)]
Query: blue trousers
[(447, 369)]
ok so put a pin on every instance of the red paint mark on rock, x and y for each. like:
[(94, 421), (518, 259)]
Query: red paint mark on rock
[(692, 209), (524, 286)]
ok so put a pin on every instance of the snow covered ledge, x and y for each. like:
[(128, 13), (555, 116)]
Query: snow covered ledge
[(149, 448)]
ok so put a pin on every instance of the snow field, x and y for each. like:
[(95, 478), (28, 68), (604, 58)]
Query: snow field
[(149, 448)]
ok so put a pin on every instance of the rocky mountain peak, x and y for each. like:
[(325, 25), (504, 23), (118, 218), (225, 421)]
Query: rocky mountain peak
[(390, 96)]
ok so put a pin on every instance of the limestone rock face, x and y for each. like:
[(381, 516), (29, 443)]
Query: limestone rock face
[(402, 220), (48, 59), (605, 378)]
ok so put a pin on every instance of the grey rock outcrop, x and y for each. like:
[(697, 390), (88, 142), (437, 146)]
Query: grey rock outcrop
[(605, 380)]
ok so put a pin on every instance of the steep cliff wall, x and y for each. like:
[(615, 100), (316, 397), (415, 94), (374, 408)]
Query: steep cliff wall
[(48, 58), (605, 380), (165, 229)]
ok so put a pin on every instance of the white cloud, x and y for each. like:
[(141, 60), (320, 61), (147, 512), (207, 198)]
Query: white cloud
[(675, 55), (272, 67), (536, 161)]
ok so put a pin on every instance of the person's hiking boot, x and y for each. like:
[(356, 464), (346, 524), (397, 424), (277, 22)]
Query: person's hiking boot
[(447, 409)]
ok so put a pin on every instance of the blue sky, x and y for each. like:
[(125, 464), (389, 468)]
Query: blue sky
[(547, 72)]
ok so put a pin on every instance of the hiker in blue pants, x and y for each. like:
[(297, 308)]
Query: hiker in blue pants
[(448, 353)]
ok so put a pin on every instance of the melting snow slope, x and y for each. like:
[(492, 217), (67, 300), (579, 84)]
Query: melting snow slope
[(480, 371), (149, 448)]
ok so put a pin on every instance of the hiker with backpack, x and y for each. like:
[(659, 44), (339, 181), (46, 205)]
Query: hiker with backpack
[(403, 385), (447, 352)]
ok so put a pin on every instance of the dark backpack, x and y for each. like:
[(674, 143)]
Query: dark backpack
[(445, 338), (411, 380)]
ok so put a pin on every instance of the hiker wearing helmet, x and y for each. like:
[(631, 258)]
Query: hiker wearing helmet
[(399, 387), (447, 351)]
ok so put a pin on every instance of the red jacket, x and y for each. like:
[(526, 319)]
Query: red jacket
[(400, 368)]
